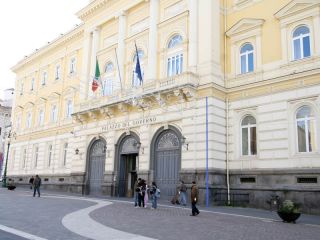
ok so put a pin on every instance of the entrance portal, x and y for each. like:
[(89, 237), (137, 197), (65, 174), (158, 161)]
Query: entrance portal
[(97, 159), (128, 175), (167, 162), (127, 165)]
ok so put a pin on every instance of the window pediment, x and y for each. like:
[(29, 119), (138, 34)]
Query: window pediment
[(244, 25), (54, 96), (295, 7)]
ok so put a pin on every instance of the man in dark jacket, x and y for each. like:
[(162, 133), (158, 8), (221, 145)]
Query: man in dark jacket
[(31, 181), (194, 199), (36, 185)]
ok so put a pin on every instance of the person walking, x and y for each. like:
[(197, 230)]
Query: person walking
[(136, 192), (153, 192), (31, 181), (36, 185), (194, 199), (183, 194), (142, 186)]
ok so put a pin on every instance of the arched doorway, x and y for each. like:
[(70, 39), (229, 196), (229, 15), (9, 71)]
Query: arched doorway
[(97, 157), (127, 164), (167, 160)]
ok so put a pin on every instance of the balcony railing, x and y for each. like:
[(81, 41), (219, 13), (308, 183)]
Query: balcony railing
[(147, 89)]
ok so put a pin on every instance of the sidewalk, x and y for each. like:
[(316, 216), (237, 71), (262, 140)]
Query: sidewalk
[(235, 211)]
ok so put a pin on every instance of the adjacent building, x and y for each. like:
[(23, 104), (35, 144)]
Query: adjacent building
[(224, 92), (5, 121)]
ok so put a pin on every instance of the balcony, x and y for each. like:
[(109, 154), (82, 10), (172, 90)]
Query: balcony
[(186, 82)]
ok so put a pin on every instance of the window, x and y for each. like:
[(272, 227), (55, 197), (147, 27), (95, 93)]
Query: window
[(246, 58), (36, 155), (175, 56), (135, 80), (58, 72), (49, 154), (21, 88), (69, 109), (109, 77), (18, 123), (44, 78), (24, 158), (72, 65), (41, 117), (65, 150), (54, 113), (29, 119), (32, 84), (301, 43), (305, 123), (249, 136)]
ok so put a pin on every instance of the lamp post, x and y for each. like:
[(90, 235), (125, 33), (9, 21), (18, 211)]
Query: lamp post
[(4, 181)]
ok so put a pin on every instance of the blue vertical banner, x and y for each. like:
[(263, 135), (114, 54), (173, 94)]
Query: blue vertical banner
[(138, 67), (207, 155)]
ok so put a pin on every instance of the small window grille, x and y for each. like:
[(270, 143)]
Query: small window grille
[(20, 179), (307, 180), (248, 180), (46, 179), (61, 179)]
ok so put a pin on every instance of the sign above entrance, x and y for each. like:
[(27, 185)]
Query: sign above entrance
[(129, 124)]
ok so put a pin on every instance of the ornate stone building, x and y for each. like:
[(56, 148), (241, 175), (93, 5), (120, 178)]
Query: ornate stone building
[(229, 96)]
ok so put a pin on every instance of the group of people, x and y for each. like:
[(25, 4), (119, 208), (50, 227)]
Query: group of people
[(35, 183), (142, 192)]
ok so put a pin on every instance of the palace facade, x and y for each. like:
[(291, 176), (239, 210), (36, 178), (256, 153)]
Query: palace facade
[(229, 97)]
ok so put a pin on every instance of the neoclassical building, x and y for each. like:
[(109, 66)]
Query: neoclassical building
[(229, 97)]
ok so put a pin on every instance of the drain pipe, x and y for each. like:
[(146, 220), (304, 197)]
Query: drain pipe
[(227, 101)]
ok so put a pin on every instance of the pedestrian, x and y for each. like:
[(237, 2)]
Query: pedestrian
[(183, 193), (153, 193), (31, 181), (142, 186), (36, 185), (194, 199), (176, 197), (136, 192), (146, 195)]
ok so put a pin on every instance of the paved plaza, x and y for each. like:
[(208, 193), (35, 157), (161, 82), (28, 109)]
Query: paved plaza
[(70, 217)]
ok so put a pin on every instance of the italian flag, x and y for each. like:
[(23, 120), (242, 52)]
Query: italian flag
[(95, 83)]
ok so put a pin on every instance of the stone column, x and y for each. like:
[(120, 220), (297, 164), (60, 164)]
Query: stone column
[(193, 34), (121, 42), (153, 40)]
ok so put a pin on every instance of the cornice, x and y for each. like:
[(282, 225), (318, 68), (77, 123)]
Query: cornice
[(62, 39), (90, 9)]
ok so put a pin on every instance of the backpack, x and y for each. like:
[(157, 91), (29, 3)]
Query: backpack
[(157, 192)]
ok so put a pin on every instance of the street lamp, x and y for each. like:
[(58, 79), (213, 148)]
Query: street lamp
[(4, 181)]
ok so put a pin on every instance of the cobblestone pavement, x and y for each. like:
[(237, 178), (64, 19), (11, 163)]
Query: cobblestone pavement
[(175, 223), (9, 236), (43, 217), (38, 216)]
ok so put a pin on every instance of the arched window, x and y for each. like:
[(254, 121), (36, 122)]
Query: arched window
[(246, 58), (305, 129), (175, 56), (108, 79), (301, 43), (135, 80), (249, 136)]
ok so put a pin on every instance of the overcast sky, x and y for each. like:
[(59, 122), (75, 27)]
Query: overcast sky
[(29, 24)]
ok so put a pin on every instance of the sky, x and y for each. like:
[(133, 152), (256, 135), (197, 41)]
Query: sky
[(29, 24)]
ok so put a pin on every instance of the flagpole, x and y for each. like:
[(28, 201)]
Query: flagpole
[(118, 68)]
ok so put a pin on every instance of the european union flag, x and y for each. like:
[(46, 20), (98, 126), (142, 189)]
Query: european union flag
[(138, 67)]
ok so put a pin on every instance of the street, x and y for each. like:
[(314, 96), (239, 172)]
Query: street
[(70, 217)]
